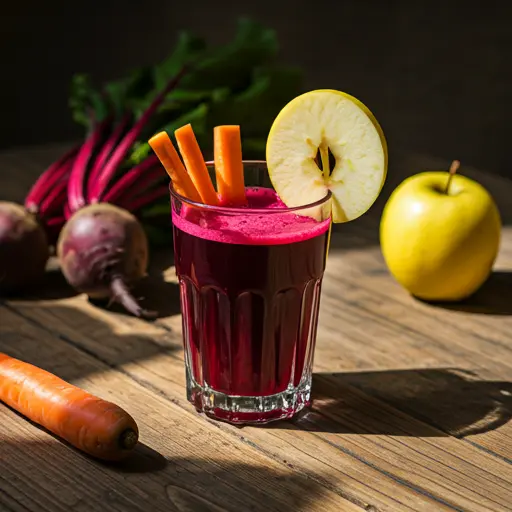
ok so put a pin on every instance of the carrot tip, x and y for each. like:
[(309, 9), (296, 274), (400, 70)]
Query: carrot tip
[(158, 138), (128, 439)]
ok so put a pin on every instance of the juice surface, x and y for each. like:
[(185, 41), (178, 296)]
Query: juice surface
[(253, 229)]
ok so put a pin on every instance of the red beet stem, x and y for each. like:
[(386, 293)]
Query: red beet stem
[(54, 221), (145, 184), (76, 197), (121, 294), (57, 195), (67, 210), (53, 201), (145, 199), (53, 227), (141, 174), (53, 174), (105, 153), (123, 147)]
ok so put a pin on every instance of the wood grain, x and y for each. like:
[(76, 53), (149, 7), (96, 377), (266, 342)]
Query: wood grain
[(412, 402), (470, 393), (354, 428)]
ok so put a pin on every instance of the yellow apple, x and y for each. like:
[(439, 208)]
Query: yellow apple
[(440, 239)]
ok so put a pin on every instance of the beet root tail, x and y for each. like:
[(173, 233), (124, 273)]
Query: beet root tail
[(122, 295)]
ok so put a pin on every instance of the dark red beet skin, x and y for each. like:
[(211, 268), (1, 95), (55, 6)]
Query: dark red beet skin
[(24, 249), (102, 250)]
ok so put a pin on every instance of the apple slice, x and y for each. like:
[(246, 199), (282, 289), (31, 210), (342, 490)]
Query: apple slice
[(318, 122)]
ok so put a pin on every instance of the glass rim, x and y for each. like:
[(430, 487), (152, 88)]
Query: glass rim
[(242, 210)]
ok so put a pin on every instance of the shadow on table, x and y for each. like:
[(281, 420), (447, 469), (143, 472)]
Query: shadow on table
[(168, 483), (452, 401), (143, 459), (52, 286), (153, 292), (493, 298), (114, 343)]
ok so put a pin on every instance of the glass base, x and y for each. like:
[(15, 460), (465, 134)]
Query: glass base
[(247, 410)]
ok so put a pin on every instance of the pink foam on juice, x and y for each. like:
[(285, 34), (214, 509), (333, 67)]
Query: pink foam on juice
[(251, 228)]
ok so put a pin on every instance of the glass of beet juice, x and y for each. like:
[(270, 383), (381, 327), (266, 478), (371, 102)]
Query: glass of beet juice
[(250, 280)]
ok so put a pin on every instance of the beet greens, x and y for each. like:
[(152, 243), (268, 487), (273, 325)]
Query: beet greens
[(241, 82), (237, 83)]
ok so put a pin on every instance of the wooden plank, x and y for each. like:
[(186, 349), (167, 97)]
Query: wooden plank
[(357, 454), (369, 287), (19, 168), (487, 330), (377, 314), (184, 464), (382, 307)]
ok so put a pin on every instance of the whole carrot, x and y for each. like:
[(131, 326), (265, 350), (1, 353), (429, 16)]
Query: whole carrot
[(95, 426)]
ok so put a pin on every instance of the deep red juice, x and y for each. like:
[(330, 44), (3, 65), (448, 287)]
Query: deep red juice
[(250, 292)]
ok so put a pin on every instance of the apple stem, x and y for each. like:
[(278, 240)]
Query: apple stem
[(453, 169), (324, 156)]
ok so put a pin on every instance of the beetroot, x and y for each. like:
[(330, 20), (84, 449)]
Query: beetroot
[(102, 250), (23, 248), (27, 232)]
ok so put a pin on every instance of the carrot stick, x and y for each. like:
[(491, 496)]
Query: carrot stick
[(229, 168), (168, 156), (95, 426), (195, 164)]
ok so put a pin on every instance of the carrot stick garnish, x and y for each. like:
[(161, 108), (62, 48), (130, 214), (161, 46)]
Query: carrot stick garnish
[(168, 156), (95, 426), (195, 164), (229, 168)]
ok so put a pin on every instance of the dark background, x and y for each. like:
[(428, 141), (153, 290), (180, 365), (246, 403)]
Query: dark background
[(436, 74)]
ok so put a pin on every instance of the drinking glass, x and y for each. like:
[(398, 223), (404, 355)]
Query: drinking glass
[(250, 281)]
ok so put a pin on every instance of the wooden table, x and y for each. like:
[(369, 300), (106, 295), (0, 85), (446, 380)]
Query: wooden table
[(411, 402)]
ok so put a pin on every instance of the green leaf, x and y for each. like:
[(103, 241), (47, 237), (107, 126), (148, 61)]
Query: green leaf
[(240, 82), (188, 48), (141, 150), (85, 102), (230, 66), (135, 91), (256, 108), (123, 95)]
